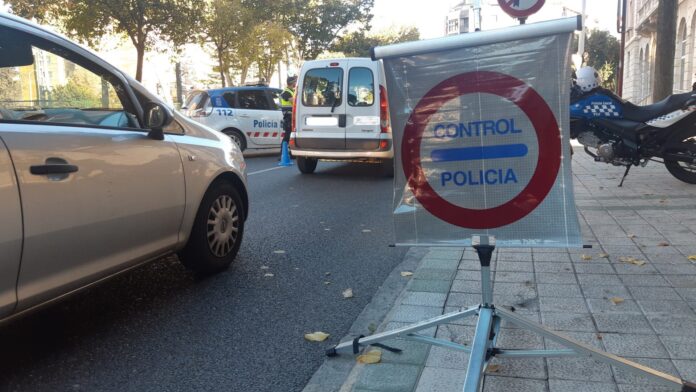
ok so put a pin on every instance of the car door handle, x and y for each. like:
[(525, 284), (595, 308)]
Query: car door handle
[(58, 168)]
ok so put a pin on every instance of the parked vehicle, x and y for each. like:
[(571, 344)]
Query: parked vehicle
[(341, 113), (250, 116), (623, 134), (97, 175)]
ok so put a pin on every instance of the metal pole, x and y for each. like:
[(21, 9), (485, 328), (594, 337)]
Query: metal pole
[(581, 42), (621, 28), (479, 351)]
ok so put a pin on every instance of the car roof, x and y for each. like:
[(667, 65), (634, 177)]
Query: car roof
[(239, 88)]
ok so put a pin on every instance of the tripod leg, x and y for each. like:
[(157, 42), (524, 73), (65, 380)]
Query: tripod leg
[(584, 349), (480, 345)]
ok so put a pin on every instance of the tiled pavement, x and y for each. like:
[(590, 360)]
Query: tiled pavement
[(651, 218)]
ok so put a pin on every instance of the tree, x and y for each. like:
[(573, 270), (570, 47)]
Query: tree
[(142, 21), (223, 28), (315, 23), (358, 44), (664, 49), (274, 39), (602, 52)]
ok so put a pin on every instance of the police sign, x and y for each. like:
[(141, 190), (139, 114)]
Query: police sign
[(480, 125)]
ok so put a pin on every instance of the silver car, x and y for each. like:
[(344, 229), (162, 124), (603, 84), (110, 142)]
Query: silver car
[(98, 176)]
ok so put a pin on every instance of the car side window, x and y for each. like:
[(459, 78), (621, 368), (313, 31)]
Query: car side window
[(361, 87), (54, 86), (275, 99), (174, 127), (252, 99), (230, 98)]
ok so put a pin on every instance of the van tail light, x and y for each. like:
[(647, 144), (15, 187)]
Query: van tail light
[(294, 112), (383, 111)]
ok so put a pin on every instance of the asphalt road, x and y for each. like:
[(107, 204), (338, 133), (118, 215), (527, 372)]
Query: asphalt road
[(161, 328)]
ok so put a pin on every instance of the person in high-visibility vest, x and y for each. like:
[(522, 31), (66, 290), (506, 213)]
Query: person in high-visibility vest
[(286, 102)]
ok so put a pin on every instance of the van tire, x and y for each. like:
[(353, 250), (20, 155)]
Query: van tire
[(387, 167), (237, 137), (306, 165)]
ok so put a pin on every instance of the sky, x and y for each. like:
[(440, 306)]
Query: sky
[(429, 15)]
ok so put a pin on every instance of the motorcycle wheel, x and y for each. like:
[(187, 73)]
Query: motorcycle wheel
[(684, 171)]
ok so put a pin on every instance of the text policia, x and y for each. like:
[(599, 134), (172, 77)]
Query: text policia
[(491, 176)]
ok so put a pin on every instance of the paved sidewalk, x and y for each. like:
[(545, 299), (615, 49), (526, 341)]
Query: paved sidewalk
[(652, 219)]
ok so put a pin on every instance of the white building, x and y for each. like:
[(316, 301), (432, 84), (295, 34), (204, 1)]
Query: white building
[(639, 54)]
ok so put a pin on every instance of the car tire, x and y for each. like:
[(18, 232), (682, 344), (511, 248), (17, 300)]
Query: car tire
[(306, 165), (237, 137), (388, 167), (213, 246)]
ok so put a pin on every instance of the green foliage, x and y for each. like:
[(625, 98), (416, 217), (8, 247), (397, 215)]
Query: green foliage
[(9, 84), (223, 28), (358, 44), (80, 91), (602, 52), (315, 23)]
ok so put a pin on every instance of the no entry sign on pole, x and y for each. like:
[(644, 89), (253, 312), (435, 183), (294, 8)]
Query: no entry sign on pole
[(520, 8), (480, 126)]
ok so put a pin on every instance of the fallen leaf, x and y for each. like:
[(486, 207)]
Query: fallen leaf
[(366, 230), (631, 236), (348, 293), (599, 337), (616, 300), (316, 336), (264, 267), (663, 201), (279, 252), (268, 275), (586, 257), (492, 368), (663, 243), (327, 229), (327, 282), (373, 356), (603, 255), (631, 260), (406, 273), (372, 328), (692, 257), (327, 273)]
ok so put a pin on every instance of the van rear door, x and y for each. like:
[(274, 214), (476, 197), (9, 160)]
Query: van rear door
[(321, 122), (362, 113)]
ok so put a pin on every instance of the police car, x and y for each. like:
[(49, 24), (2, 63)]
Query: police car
[(250, 116)]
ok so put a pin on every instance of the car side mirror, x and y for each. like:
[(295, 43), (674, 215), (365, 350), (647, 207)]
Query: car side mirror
[(156, 118)]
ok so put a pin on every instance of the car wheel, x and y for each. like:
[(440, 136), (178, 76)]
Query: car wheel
[(236, 137), (306, 165), (217, 231)]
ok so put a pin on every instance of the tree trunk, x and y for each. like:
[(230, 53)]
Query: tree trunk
[(140, 48), (243, 74), (664, 49), (221, 65)]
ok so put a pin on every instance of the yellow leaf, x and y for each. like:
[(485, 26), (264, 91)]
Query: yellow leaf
[(692, 257), (631, 260), (373, 356), (663, 243), (492, 368), (348, 293), (586, 257), (406, 273), (616, 300), (604, 255), (316, 336)]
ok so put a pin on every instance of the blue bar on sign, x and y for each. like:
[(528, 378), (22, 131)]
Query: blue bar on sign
[(479, 152)]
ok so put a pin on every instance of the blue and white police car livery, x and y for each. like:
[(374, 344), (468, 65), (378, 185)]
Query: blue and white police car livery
[(250, 116)]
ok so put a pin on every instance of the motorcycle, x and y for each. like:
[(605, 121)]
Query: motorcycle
[(617, 132)]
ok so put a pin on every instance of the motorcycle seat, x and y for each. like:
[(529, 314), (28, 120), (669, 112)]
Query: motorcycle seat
[(649, 112)]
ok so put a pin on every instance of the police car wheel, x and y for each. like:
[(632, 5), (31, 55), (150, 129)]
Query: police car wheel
[(306, 165), (236, 137)]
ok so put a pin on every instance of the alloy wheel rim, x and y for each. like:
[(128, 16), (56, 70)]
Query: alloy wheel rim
[(236, 140), (223, 226)]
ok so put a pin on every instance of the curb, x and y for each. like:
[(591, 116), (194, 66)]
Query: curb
[(334, 372)]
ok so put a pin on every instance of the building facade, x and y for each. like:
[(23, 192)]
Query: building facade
[(639, 53)]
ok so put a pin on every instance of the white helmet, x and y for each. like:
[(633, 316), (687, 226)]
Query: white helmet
[(587, 78)]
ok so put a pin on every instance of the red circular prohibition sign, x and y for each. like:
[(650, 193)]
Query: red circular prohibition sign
[(548, 160)]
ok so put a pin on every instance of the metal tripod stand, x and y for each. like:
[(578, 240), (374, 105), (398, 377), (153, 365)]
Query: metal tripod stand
[(483, 345)]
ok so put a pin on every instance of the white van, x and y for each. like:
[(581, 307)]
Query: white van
[(341, 113)]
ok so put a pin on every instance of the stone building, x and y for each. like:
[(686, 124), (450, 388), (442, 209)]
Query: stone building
[(639, 53)]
